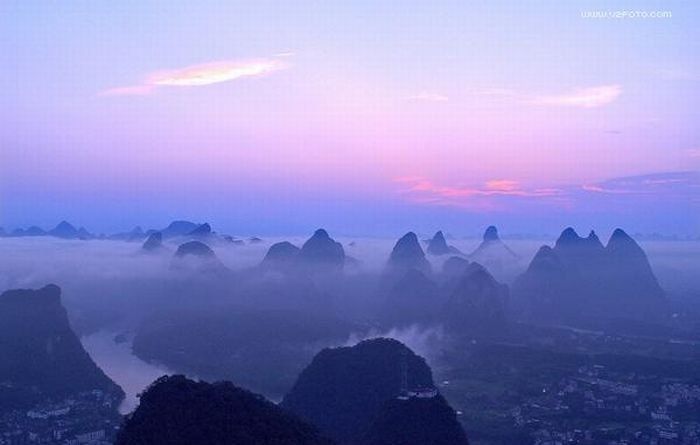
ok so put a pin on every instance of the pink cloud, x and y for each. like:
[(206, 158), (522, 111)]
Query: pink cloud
[(200, 75), (428, 97), (502, 185), (591, 97), (424, 191)]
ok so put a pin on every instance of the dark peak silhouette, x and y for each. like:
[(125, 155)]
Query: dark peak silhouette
[(491, 234), (2, 232), (493, 252), (35, 231), (83, 234), (64, 229), (41, 356), (621, 241), (407, 253), (579, 251), (177, 411), (438, 245), (581, 278), (197, 256), (153, 243), (416, 420), (194, 248), (178, 228), (46, 298), (343, 389), (322, 249), (631, 266), (545, 260), (568, 236), (202, 231), (593, 237), (281, 255), (254, 240), (477, 302)]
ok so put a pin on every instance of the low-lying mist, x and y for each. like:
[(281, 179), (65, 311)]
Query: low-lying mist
[(245, 322)]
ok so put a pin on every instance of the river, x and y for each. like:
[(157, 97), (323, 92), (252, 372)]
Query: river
[(122, 366)]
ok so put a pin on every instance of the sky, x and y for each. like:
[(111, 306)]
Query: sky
[(364, 117)]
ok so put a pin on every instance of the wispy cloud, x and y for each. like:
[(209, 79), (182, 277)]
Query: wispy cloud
[(586, 97), (422, 190), (428, 97), (693, 153), (658, 184), (200, 75), (503, 194), (591, 97)]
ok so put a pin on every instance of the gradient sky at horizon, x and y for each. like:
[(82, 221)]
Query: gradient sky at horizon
[(363, 117)]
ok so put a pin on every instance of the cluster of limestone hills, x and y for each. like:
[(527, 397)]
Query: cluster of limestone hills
[(175, 229), (376, 392), (578, 276)]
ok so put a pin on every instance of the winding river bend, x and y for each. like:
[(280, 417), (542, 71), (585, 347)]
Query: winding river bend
[(122, 366)]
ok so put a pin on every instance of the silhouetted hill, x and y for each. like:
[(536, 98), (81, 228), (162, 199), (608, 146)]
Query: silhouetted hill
[(632, 271), (135, 234), (580, 277), (494, 254), (343, 389), (83, 234), (177, 411), (194, 248), (477, 302), (202, 231), (64, 229), (178, 228), (438, 245), (415, 420), (31, 231), (153, 243), (40, 356), (197, 256), (407, 254), (281, 256), (321, 249)]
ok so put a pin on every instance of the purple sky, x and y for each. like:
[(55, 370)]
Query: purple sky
[(364, 117)]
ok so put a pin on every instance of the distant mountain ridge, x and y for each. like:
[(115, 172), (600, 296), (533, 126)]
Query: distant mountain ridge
[(580, 276), (407, 254), (438, 245), (320, 253)]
